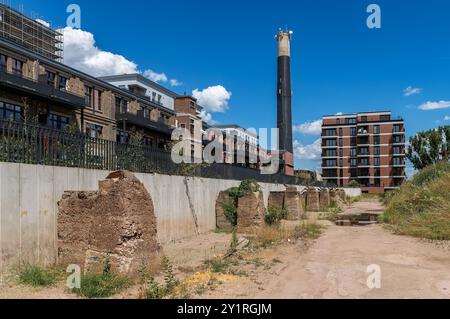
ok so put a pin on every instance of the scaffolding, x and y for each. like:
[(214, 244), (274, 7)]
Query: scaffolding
[(30, 33)]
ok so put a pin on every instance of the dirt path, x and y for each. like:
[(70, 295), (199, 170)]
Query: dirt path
[(335, 267)]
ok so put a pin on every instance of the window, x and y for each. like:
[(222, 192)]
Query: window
[(330, 143), (377, 172), (330, 153), (153, 96), (397, 150), (341, 152), (363, 118), (376, 140), (398, 161), (376, 129), (17, 67), (353, 131), (364, 151), (331, 163), (10, 112), (376, 151), (62, 83), (58, 122), (350, 121), (99, 100), (88, 95), (385, 118), (364, 162), (353, 162), (3, 60), (330, 132), (122, 137), (341, 164), (377, 161), (353, 152), (118, 103), (338, 121), (341, 132), (341, 142), (148, 141), (159, 99), (398, 139), (397, 128), (51, 77), (93, 130)]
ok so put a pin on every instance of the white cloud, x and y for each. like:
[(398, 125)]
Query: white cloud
[(308, 152), (175, 82), (411, 91), (208, 118), (155, 77), (447, 118), (428, 106), (214, 99), (309, 128), (82, 53)]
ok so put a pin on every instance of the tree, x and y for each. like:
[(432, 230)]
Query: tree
[(430, 147)]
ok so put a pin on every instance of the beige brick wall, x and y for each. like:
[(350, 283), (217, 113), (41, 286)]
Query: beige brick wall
[(154, 115), (30, 69), (76, 86), (133, 107), (107, 104)]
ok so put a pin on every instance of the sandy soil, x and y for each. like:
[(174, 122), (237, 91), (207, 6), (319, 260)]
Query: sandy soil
[(334, 266)]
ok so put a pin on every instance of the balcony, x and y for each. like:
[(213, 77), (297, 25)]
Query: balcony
[(143, 122), (40, 90)]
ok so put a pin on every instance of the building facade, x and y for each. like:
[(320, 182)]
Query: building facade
[(368, 148), (36, 88)]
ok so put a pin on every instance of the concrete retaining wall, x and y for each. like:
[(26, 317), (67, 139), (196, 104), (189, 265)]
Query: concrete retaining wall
[(353, 192), (29, 194)]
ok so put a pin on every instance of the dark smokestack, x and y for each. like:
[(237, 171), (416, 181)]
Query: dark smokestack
[(284, 92)]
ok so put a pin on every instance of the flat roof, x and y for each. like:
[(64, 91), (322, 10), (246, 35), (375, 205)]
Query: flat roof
[(356, 114)]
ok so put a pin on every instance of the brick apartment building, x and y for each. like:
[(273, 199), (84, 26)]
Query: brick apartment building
[(366, 147)]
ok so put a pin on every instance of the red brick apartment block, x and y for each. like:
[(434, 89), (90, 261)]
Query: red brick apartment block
[(366, 147)]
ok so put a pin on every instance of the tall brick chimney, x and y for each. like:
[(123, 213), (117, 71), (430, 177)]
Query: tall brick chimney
[(284, 102)]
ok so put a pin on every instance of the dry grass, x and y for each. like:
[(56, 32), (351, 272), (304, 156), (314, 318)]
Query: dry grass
[(421, 208), (275, 234)]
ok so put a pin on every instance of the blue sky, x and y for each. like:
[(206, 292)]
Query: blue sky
[(338, 64)]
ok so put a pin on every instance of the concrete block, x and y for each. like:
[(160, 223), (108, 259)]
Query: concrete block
[(325, 201), (276, 200), (312, 200), (293, 204), (251, 211), (116, 222)]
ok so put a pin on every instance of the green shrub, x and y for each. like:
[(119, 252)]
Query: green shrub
[(230, 211), (169, 278), (430, 173), (151, 289), (275, 215), (36, 276), (101, 285), (421, 208)]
